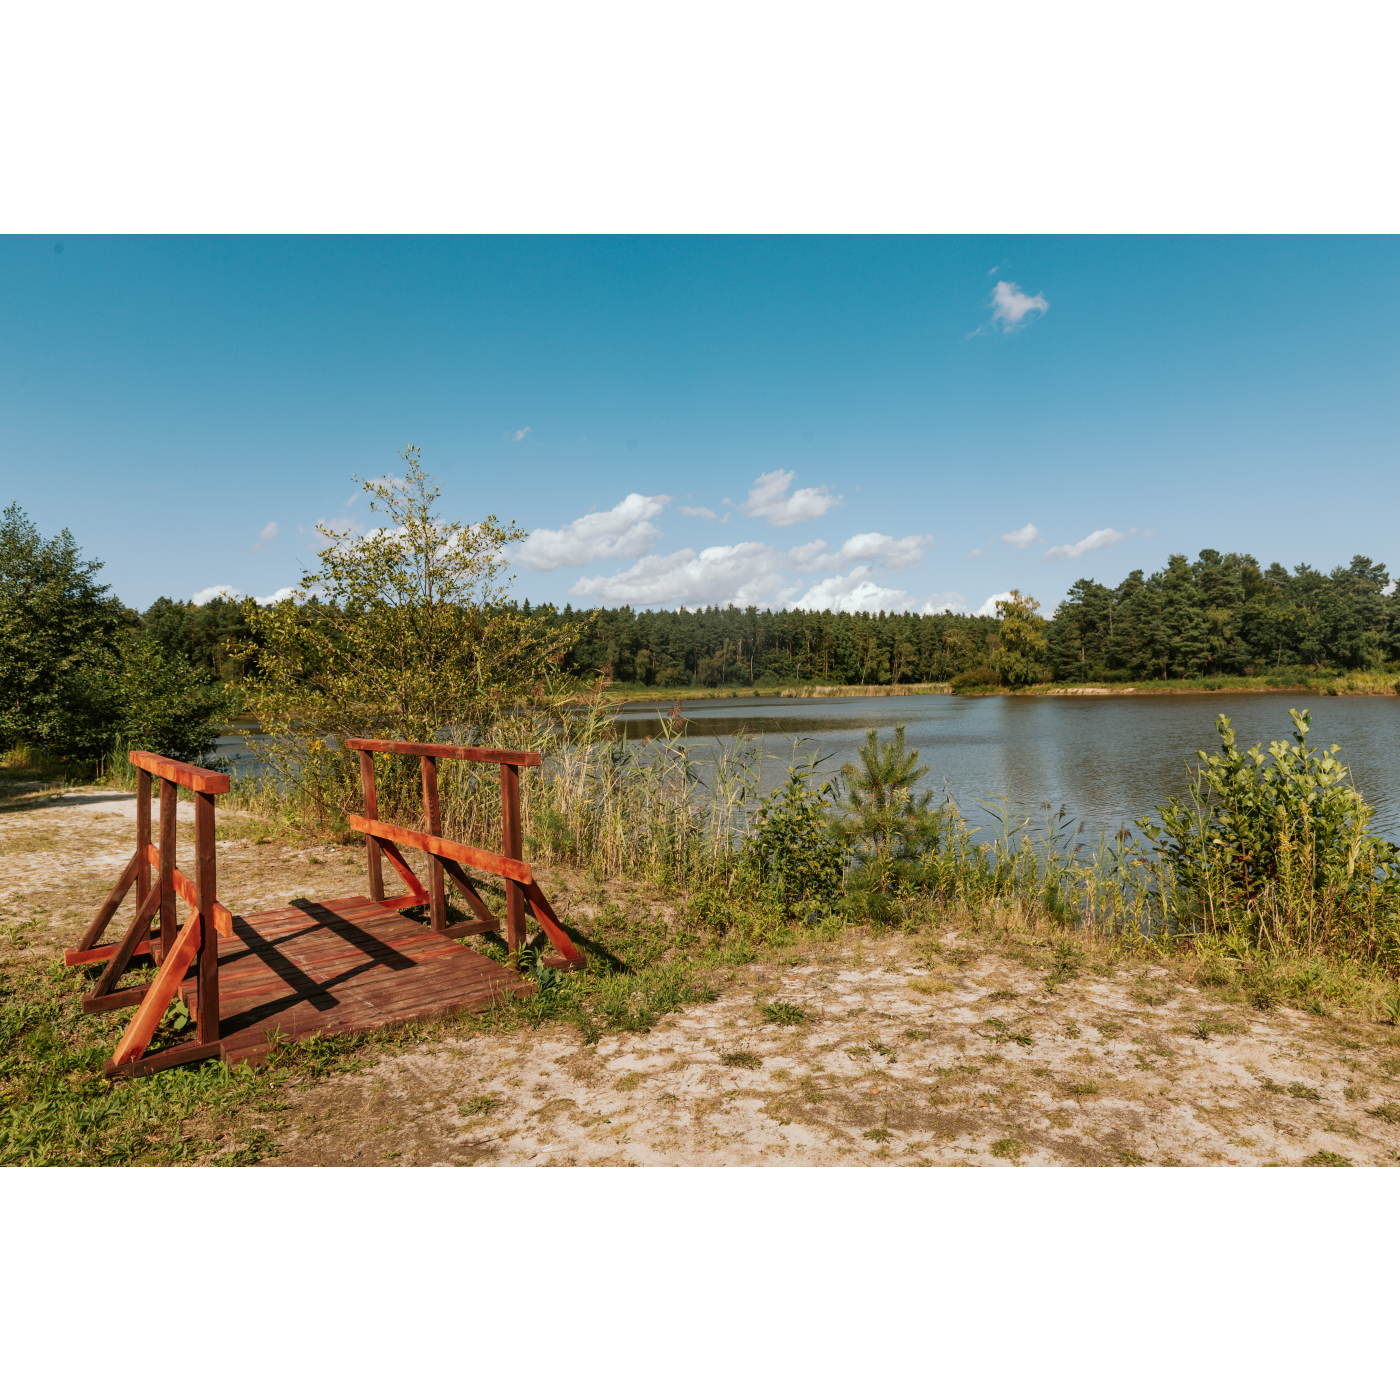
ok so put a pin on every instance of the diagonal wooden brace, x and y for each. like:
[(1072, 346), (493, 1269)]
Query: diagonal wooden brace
[(119, 959), (162, 992), (111, 905)]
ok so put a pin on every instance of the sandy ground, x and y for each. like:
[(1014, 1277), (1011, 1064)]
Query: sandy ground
[(975, 1063)]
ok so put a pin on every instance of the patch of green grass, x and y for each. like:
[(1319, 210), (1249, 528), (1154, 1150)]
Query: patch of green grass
[(1387, 1112), (1080, 1090), (60, 1110), (1323, 1158), (784, 1013), (876, 1135), (1001, 994), (1001, 1033), (741, 1059), (1129, 1158), (479, 1106), (1008, 1148), (917, 1035)]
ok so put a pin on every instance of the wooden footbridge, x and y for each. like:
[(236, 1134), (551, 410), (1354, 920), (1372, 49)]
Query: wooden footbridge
[(345, 965)]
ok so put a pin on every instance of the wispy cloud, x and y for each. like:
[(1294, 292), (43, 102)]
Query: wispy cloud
[(884, 550), (207, 595), (973, 554), (768, 500), (1019, 539), (519, 435), (700, 512), (1100, 539), (280, 596), (728, 573), (624, 532), (269, 531), (945, 602), (1013, 308)]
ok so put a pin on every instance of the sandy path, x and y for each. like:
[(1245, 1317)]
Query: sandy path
[(1125, 1067)]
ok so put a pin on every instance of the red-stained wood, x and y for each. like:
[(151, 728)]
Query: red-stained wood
[(470, 893), (112, 903), (548, 920), (165, 857), (114, 1001), (416, 891), (143, 836), (186, 774), (122, 953), (488, 861), (514, 849), (162, 1059), (206, 885), (74, 957), (432, 813), (404, 901), (524, 758), (162, 991), (376, 861), (185, 888)]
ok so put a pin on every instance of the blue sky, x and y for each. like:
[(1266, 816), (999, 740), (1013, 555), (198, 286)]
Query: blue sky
[(901, 422)]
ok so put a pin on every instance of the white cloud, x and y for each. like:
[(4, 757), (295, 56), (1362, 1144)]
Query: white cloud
[(269, 531), (206, 595), (518, 435), (279, 596), (624, 532), (338, 525), (1011, 306), (1100, 539), (1019, 539), (855, 592), (700, 512), (883, 550), (389, 481), (976, 554), (768, 500), (989, 608), (944, 602), (730, 573)]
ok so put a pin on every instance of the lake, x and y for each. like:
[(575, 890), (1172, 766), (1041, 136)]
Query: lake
[(1108, 759)]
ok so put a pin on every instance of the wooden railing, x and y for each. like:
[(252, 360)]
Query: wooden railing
[(453, 858), (173, 947)]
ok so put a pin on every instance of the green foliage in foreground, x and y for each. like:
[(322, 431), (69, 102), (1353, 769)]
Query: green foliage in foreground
[(1278, 846)]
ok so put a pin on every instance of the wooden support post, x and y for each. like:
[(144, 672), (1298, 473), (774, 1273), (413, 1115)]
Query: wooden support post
[(432, 815), (376, 860), (205, 895), (512, 845), (169, 810), (143, 841)]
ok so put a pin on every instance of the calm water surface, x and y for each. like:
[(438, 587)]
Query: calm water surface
[(1108, 759)]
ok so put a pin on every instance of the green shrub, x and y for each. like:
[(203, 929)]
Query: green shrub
[(790, 846), (1278, 848)]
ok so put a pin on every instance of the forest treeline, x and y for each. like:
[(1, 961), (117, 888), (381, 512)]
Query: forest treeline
[(1220, 615)]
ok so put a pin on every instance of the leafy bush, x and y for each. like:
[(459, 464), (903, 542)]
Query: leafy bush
[(790, 846), (1278, 846)]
